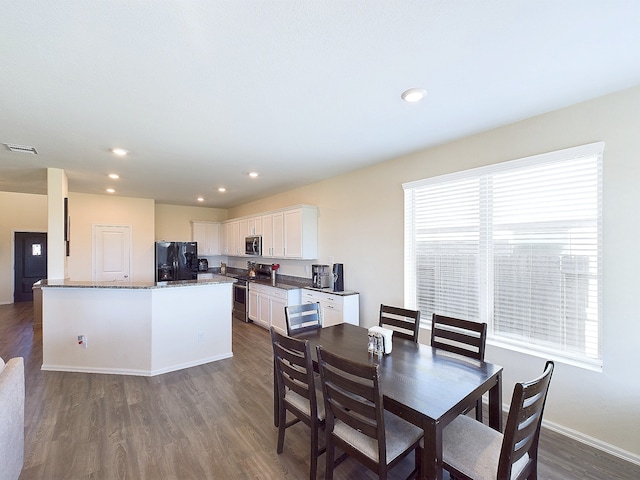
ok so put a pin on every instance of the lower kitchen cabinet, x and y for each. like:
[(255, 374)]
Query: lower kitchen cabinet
[(266, 305), (336, 307)]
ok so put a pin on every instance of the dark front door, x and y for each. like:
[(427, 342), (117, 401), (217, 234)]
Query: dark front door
[(30, 263)]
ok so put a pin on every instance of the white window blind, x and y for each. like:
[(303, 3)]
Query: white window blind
[(516, 245)]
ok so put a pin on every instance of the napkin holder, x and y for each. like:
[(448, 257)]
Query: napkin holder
[(381, 338)]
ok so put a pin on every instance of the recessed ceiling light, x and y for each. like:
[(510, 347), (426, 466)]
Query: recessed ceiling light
[(115, 176), (413, 95), (253, 174), (121, 152), (200, 199), (222, 189), (110, 190)]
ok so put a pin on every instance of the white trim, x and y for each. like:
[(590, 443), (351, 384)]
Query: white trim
[(135, 372), (182, 366), (593, 442), (582, 438), (596, 148)]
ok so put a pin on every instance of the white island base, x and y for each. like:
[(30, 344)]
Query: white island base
[(141, 330)]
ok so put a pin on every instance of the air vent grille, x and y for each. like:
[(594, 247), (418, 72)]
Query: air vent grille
[(13, 147)]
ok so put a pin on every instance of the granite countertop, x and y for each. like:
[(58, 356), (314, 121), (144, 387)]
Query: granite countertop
[(284, 283), (217, 279)]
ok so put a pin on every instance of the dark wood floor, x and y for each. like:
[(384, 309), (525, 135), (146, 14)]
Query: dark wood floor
[(208, 422)]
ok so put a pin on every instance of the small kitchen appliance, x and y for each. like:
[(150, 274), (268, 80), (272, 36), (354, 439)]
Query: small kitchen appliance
[(338, 278), (203, 264), (320, 276)]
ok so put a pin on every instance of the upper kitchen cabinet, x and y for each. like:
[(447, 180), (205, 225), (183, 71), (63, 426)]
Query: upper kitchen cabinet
[(290, 233), (250, 226), (207, 234), (301, 233), (273, 235), (233, 244)]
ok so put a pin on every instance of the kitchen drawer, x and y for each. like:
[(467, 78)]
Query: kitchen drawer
[(335, 308), (312, 297), (270, 291)]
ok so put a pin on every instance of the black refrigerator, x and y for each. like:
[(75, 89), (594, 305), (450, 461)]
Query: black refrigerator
[(176, 261)]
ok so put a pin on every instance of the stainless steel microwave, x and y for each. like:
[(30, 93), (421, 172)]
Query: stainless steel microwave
[(253, 245)]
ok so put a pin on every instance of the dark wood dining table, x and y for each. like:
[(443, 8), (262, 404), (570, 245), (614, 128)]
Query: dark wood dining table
[(425, 386)]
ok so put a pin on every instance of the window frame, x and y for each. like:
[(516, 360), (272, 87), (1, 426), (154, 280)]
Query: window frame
[(487, 296)]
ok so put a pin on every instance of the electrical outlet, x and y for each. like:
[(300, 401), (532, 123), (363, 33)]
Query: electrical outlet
[(331, 262), (200, 337), (82, 341), (306, 269)]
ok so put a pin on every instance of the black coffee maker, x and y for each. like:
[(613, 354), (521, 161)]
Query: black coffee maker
[(338, 278)]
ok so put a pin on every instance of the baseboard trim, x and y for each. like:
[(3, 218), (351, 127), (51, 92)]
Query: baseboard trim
[(592, 442), (581, 438), (134, 372)]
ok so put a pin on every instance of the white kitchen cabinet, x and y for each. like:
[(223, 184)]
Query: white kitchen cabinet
[(289, 233), (292, 233), (273, 235), (301, 233), (253, 312), (335, 308), (232, 244), (250, 226), (207, 234), (266, 305)]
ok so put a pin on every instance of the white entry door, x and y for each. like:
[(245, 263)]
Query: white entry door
[(111, 253)]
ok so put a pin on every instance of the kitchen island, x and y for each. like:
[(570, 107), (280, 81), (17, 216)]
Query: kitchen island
[(135, 328)]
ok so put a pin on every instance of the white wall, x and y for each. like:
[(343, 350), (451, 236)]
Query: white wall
[(173, 222), (361, 225), (86, 210), (19, 212)]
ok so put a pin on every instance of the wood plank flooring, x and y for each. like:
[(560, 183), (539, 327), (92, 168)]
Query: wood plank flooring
[(208, 422)]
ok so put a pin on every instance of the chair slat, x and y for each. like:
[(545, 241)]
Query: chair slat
[(405, 323), (302, 318)]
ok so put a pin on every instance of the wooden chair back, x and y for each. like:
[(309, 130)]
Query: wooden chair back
[(522, 431), (463, 337), (404, 323), (352, 395), (302, 318), (296, 390)]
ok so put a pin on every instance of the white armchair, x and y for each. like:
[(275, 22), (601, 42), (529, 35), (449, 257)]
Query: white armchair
[(11, 418)]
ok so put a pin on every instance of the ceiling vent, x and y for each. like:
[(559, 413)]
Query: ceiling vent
[(12, 147)]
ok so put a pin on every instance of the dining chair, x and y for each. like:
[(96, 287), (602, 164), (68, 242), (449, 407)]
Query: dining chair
[(356, 421), (298, 392), (463, 337), (302, 318), (405, 323), (474, 451)]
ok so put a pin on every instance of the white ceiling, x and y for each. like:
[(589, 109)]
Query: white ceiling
[(202, 92)]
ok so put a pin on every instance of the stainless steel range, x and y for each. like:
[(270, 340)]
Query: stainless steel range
[(255, 271), (240, 295)]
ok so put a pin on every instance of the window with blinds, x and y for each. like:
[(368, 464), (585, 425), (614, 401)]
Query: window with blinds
[(516, 245)]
